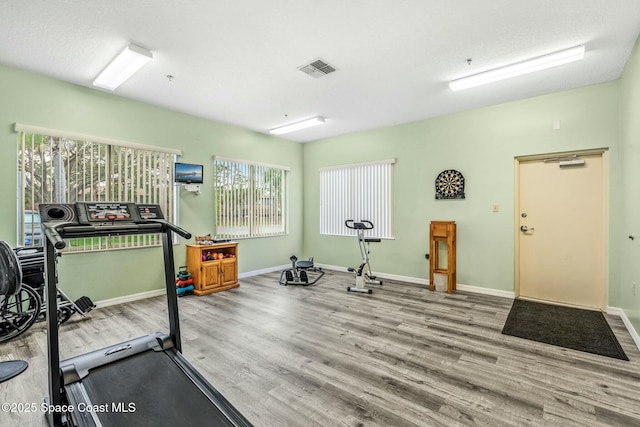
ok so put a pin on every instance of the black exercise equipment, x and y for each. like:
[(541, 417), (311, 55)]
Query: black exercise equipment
[(301, 273), (10, 284), (20, 310), (32, 263), (145, 381), (363, 272)]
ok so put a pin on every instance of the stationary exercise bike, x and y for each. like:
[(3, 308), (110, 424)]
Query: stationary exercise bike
[(363, 272), (298, 274)]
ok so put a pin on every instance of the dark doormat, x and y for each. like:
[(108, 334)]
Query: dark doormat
[(568, 327)]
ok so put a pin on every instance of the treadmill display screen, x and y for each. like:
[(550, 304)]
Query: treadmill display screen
[(150, 212), (108, 212)]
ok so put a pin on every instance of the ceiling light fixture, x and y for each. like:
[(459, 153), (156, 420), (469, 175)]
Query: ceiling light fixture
[(298, 125), (130, 60), (529, 66)]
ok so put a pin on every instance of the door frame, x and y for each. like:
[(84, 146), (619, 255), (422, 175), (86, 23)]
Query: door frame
[(604, 152)]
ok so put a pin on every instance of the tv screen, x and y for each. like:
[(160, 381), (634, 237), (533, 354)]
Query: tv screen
[(187, 173)]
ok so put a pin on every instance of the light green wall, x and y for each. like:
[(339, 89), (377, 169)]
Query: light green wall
[(482, 145), (630, 148), (36, 100)]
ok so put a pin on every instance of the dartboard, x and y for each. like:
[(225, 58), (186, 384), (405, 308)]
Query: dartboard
[(450, 185)]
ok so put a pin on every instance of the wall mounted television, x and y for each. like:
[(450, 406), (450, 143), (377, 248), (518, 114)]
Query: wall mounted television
[(188, 173)]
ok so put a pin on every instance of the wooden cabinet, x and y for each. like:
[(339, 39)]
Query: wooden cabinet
[(442, 233), (213, 268)]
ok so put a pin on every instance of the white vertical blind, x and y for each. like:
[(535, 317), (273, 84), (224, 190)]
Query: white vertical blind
[(358, 192), (250, 199), (57, 169)]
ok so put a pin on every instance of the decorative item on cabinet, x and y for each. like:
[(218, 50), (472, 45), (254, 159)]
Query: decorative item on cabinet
[(213, 268)]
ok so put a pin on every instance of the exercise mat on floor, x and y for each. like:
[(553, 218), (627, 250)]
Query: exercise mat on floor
[(567, 327)]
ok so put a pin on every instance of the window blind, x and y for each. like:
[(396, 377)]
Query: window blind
[(359, 192)]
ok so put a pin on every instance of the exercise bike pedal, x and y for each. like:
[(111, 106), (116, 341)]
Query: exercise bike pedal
[(304, 278), (351, 270), (289, 276)]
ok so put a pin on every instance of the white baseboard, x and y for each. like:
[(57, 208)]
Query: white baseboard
[(158, 292), (486, 291), (627, 323), (130, 298), (263, 271), (420, 281)]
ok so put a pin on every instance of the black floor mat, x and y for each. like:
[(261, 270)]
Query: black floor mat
[(568, 327)]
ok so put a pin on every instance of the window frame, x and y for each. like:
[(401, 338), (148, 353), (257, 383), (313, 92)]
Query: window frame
[(162, 160), (254, 226)]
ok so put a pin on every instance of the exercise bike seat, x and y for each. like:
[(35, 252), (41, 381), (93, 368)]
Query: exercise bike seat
[(305, 264)]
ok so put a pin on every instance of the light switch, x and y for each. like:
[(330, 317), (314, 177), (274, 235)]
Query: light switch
[(496, 208)]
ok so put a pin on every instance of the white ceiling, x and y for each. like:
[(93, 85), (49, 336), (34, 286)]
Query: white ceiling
[(235, 61)]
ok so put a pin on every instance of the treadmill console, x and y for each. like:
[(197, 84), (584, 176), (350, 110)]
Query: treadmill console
[(100, 213), (95, 213), (96, 219)]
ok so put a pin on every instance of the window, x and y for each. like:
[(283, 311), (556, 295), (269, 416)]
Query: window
[(359, 192), (54, 168), (250, 199)]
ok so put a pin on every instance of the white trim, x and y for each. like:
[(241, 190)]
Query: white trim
[(246, 162), (407, 279), (421, 281), (130, 298), (486, 291), (21, 127), (263, 271), (616, 311), (353, 165)]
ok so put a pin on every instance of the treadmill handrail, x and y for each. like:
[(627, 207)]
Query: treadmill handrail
[(57, 232)]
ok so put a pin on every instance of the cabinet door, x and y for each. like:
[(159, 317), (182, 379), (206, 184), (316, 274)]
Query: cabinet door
[(229, 271), (210, 274)]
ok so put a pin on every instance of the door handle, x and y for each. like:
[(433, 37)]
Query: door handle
[(524, 228)]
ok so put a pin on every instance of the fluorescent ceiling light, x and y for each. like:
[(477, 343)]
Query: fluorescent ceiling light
[(520, 68), (297, 126), (130, 60)]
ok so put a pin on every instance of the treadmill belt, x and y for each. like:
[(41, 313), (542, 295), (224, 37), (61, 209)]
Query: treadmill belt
[(149, 389)]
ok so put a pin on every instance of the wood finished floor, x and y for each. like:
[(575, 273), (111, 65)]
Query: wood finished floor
[(319, 356)]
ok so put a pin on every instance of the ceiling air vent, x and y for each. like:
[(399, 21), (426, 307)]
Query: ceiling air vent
[(317, 68)]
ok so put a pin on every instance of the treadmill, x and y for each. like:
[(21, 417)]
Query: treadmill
[(145, 381)]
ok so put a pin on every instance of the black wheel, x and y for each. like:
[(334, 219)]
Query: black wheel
[(64, 314), (18, 312), (370, 291)]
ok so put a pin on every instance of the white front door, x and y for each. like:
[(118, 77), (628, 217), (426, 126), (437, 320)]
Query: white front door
[(561, 233)]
